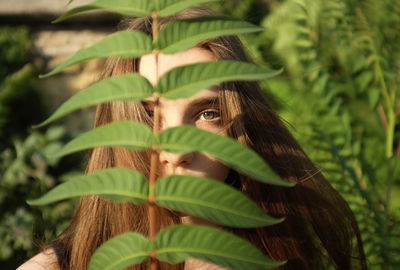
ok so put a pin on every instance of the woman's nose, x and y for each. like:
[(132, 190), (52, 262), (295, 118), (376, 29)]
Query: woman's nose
[(176, 160)]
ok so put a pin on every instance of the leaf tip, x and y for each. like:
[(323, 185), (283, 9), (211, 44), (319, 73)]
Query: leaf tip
[(288, 184), (280, 220), (40, 125), (42, 76), (59, 19), (281, 262), (33, 202), (279, 71)]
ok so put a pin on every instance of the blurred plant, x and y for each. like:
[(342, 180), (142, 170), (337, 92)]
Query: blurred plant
[(18, 94), (343, 59), (14, 45), (25, 170)]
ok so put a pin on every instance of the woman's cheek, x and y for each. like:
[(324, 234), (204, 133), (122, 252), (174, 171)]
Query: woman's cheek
[(215, 169)]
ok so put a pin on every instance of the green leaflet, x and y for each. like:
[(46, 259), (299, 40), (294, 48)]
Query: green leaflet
[(177, 243), (169, 7), (73, 12), (184, 139), (124, 87), (210, 199), (134, 8), (121, 251), (117, 184), (185, 81), (183, 34), (133, 135), (126, 44)]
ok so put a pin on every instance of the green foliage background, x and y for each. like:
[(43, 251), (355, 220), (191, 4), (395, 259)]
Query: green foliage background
[(25, 170), (339, 91), (341, 59)]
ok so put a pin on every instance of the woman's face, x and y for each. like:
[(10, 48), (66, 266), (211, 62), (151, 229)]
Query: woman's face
[(201, 110)]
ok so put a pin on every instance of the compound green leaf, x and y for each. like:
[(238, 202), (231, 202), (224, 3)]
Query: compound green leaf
[(185, 81), (126, 87), (167, 8), (121, 251), (177, 243), (210, 199), (135, 8), (184, 139), (126, 44), (183, 34), (129, 134), (117, 184)]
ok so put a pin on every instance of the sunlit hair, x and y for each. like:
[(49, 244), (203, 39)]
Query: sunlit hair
[(319, 228)]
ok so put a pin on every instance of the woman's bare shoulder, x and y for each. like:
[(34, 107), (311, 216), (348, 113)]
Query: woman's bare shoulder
[(46, 260)]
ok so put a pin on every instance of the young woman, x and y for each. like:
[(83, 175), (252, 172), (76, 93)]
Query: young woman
[(319, 231)]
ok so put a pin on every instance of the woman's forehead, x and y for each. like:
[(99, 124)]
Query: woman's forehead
[(166, 62), (209, 95)]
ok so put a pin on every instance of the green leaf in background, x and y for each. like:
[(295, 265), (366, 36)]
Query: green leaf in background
[(177, 243), (125, 87), (169, 7), (133, 135), (117, 184), (121, 251), (134, 8), (183, 34), (124, 44), (210, 199), (73, 12), (184, 139), (185, 81)]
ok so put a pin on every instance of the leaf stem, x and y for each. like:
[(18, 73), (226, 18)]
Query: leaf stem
[(389, 105), (383, 117), (154, 159)]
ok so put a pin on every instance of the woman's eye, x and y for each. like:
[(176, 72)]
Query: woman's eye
[(209, 115)]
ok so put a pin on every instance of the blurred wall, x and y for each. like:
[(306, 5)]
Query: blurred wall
[(53, 43)]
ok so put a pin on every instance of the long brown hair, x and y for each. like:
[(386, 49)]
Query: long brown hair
[(319, 229)]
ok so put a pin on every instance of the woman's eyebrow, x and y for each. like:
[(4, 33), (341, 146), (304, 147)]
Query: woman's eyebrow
[(205, 101)]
